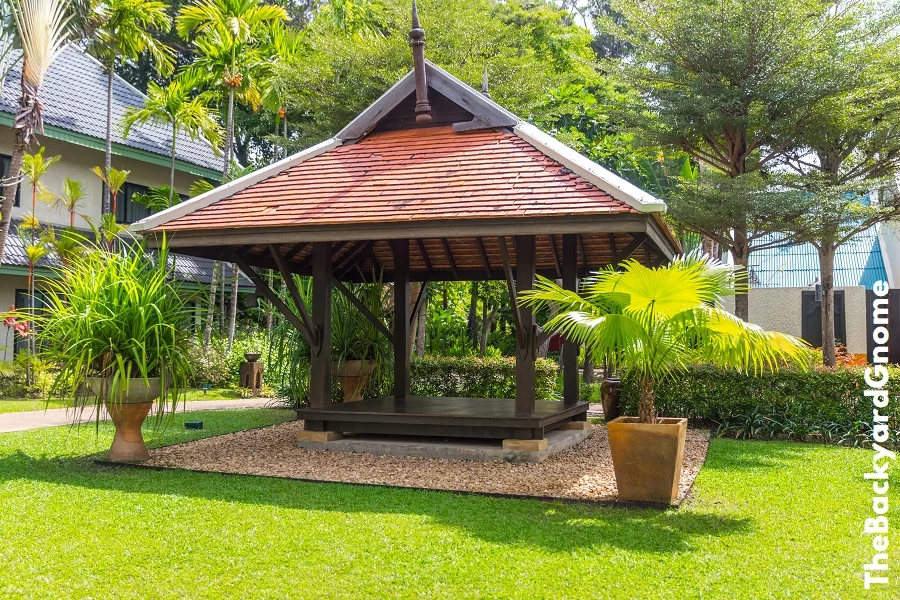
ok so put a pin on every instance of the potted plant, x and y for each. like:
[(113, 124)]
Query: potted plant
[(649, 324), (114, 325), (359, 349)]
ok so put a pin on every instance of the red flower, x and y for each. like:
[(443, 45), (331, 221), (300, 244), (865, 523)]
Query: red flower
[(22, 329)]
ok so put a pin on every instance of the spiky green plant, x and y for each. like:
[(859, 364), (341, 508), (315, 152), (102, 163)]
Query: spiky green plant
[(116, 315), (353, 337), (68, 201), (651, 323)]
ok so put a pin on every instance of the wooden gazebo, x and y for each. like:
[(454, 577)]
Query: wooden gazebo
[(432, 182)]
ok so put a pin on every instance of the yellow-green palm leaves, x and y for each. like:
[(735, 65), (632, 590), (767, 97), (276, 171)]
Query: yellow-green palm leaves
[(652, 323)]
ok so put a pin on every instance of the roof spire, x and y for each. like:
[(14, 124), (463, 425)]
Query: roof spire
[(417, 41), (484, 83)]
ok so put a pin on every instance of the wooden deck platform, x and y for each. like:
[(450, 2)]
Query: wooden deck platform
[(493, 418)]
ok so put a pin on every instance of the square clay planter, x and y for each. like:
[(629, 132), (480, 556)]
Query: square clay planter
[(647, 458)]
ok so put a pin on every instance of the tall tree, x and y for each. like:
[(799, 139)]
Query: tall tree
[(123, 30), (42, 29), (230, 37), (733, 83), (175, 106), (845, 167)]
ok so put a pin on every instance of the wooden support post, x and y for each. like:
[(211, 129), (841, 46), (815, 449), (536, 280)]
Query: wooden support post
[(320, 373), (570, 349), (400, 249), (525, 343)]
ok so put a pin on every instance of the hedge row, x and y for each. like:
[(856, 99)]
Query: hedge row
[(474, 377), (816, 405)]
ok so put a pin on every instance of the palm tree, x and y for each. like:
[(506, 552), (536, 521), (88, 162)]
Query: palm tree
[(230, 36), (69, 200), (173, 105), (42, 29), (652, 323), (113, 180), (287, 46), (123, 30)]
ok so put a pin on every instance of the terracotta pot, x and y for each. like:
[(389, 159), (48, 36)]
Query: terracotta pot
[(353, 375), (647, 458), (609, 396), (128, 411)]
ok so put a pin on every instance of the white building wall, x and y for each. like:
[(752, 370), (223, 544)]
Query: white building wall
[(889, 234), (780, 309), (76, 162)]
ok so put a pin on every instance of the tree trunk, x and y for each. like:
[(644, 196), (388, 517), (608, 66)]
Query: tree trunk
[(741, 255), (232, 317), (414, 289), (826, 275), (487, 323), (587, 375), (229, 135), (108, 158), (473, 314), (10, 187), (710, 246), (172, 165), (275, 140), (446, 299), (422, 321), (211, 310), (222, 305), (269, 311), (646, 408)]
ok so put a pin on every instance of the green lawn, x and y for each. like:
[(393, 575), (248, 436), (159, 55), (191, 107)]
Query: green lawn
[(8, 406), (769, 520), (193, 395)]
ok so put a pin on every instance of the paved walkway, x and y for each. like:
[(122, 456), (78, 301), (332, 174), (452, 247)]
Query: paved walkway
[(53, 417)]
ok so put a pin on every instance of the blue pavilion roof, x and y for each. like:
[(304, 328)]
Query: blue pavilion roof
[(858, 262)]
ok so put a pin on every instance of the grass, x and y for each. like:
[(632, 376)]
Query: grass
[(17, 405), (769, 520), (191, 395)]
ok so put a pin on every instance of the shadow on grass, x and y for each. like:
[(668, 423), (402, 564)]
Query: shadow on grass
[(555, 527)]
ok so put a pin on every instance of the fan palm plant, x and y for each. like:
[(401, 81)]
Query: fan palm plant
[(173, 105), (124, 30), (42, 27), (651, 323)]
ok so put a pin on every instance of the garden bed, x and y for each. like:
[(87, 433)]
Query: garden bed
[(583, 473)]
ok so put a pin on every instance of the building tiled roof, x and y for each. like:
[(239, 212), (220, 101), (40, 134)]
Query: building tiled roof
[(189, 269), (857, 262), (74, 98), (412, 175)]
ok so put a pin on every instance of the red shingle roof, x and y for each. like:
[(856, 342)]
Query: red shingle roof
[(418, 174)]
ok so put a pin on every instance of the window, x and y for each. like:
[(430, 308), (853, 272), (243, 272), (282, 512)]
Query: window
[(20, 343), (4, 167), (127, 210)]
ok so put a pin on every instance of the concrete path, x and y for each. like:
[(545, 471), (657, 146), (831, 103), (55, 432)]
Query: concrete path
[(36, 419)]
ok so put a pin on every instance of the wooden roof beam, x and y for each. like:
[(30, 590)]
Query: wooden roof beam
[(449, 254)]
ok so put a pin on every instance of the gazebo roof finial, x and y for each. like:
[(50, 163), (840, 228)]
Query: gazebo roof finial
[(417, 41), (484, 83)]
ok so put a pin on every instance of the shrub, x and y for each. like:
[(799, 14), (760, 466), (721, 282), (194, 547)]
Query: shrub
[(815, 405), (476, 377), (214, 365)]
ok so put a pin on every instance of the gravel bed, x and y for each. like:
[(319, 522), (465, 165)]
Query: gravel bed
[(584, 472)]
